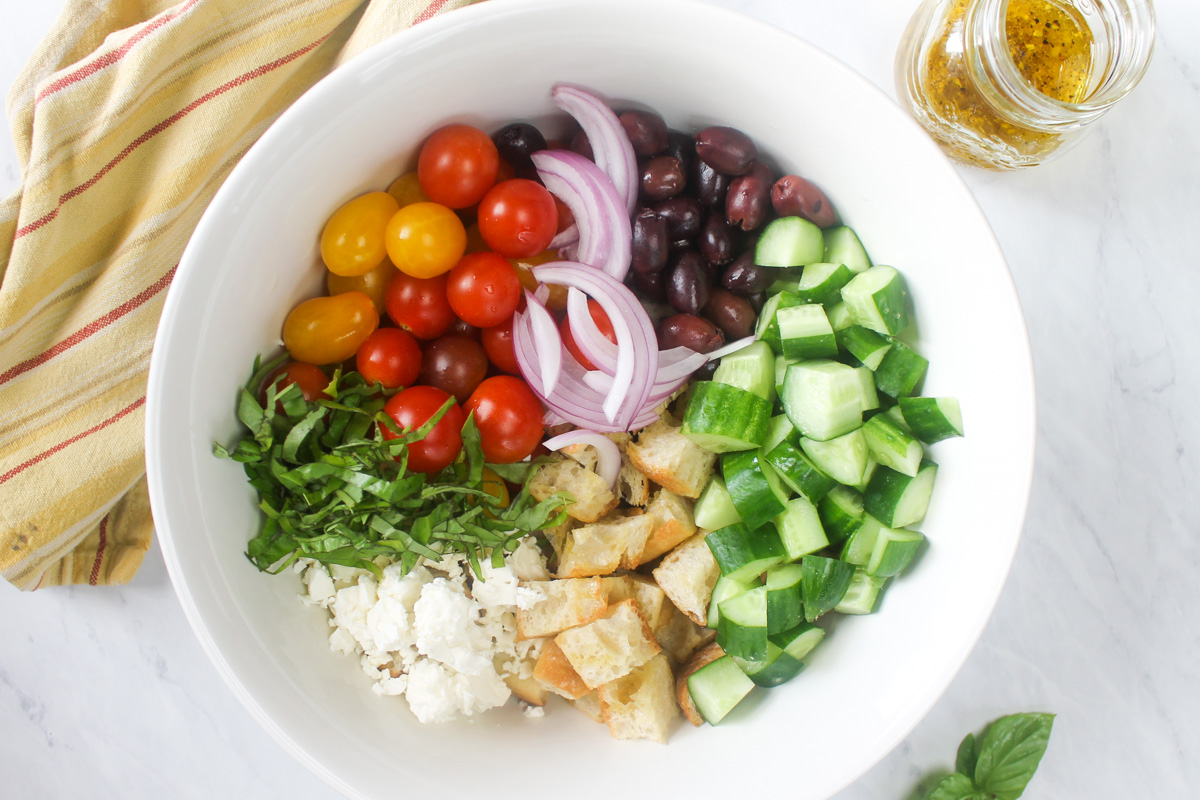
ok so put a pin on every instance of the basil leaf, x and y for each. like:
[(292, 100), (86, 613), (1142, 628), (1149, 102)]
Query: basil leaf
[(1010, 753), (967, 756), (954, 787)]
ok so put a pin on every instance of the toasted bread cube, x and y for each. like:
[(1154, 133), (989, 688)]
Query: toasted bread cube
[(679, 636), (703, 657), (555, 673), (590, 705), (593, 498), (651, 601), (602, 547), (565, 604), (688, 574), (585, 454), (632, 486), (557, 535), (672, 460), (610, 647), (641, 705), (673, 523)]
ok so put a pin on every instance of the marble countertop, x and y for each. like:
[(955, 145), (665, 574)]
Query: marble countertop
[(105, 693)]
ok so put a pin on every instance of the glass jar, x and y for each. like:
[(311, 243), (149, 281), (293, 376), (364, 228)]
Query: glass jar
[(1005, 84)]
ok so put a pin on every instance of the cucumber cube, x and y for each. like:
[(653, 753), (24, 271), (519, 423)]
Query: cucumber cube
[(878, 299)]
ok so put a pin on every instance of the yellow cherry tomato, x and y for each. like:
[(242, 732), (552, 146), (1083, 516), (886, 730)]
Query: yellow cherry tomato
[(326, 330), (557, 300), (407, 190), (352, 241), (425, 239), (494, 485), (372, 284)]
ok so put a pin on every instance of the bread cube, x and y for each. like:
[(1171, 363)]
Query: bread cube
[(673, 523), (672, 460), (602, 547), (641, 705), (687, 574), (611, 647), (565, 604), (593, 498)]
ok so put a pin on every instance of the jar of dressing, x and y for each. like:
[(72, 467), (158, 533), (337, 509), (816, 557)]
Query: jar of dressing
[(1005, 84)]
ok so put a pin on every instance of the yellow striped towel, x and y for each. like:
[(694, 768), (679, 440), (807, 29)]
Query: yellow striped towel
[(126, 120)]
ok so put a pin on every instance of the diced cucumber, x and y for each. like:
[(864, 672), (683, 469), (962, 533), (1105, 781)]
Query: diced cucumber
[(892, 446), (870, 397), (767, 327), (714, 508), (781, 365), (862, 594), (841, 511), (900, 371), (842, 246), (822, 283), (724, 418), (861, 544), (868, 471), (898, 500), (785, 608), (717, 687), (742, 624), (805, 332), (779, 430), (754, 486), (789, 242), (878, 299), (799, 528), (742, 553), (823, 399), (800, 641), (895, 548), (864, 344), (776, 668), (823, 584), (843, 458), (932, 419), (752, 368), (798, 471), (724, 589), (839, 316)]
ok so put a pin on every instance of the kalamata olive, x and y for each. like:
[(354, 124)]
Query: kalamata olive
[(706, 372), (732, 314), (687, 283), (652, 285), (793, 196), (757, 301), (662, 177), (688, 330), (682, 213), (749, 197), (464, 329), (649, 241), (716, 240), (454, 364), (581, 145), (726, 150), (683, 147), (709, 185), (744, 277), (646, 131), (517, 142)]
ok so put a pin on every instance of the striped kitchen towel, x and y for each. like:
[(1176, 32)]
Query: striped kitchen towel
[(126, 120)]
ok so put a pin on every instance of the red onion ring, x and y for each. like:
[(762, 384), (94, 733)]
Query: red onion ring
[(605, 233), (610, 144)]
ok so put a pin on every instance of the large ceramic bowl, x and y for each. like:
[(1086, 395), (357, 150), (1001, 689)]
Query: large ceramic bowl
[(254, 255)]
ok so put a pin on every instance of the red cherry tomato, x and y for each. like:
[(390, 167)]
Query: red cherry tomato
[(602, 322), (498, 344), (483, 289), (510, 418), (389, 356), (419, 305), (412, 408), (518, 218), (311, 380), (457, 165)]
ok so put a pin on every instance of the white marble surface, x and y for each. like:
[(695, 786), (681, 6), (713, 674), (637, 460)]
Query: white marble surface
[(105, 693)]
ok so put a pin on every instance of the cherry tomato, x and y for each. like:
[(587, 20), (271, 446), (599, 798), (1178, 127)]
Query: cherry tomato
[(483, 289), (494, 485), (557, 298), (352, 240), (509, 416), (454, 364), (326, 330), (425, 239), (518, 218), (311, 380), (565, 218), (412, 408), (602, 322), (419, 305), (457, 165), (372, 284), (407, 190), (498, 343), (389, 356)]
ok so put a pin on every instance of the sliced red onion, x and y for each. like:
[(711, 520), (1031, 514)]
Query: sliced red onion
[(732, 347), (552, 418), (605, 235), (610, 144), (608, 463), (546, 332), (593, 344), (564, 238)]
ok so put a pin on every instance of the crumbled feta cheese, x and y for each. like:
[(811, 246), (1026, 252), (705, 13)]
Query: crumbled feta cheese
[(319, 585), (528, 563), (498, 587), (533, 712)]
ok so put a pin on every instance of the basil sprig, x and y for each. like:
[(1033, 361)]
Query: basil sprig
[(1001, 765), (333, 489)]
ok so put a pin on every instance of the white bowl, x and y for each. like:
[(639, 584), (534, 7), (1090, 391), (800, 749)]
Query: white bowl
[(254, 255)]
